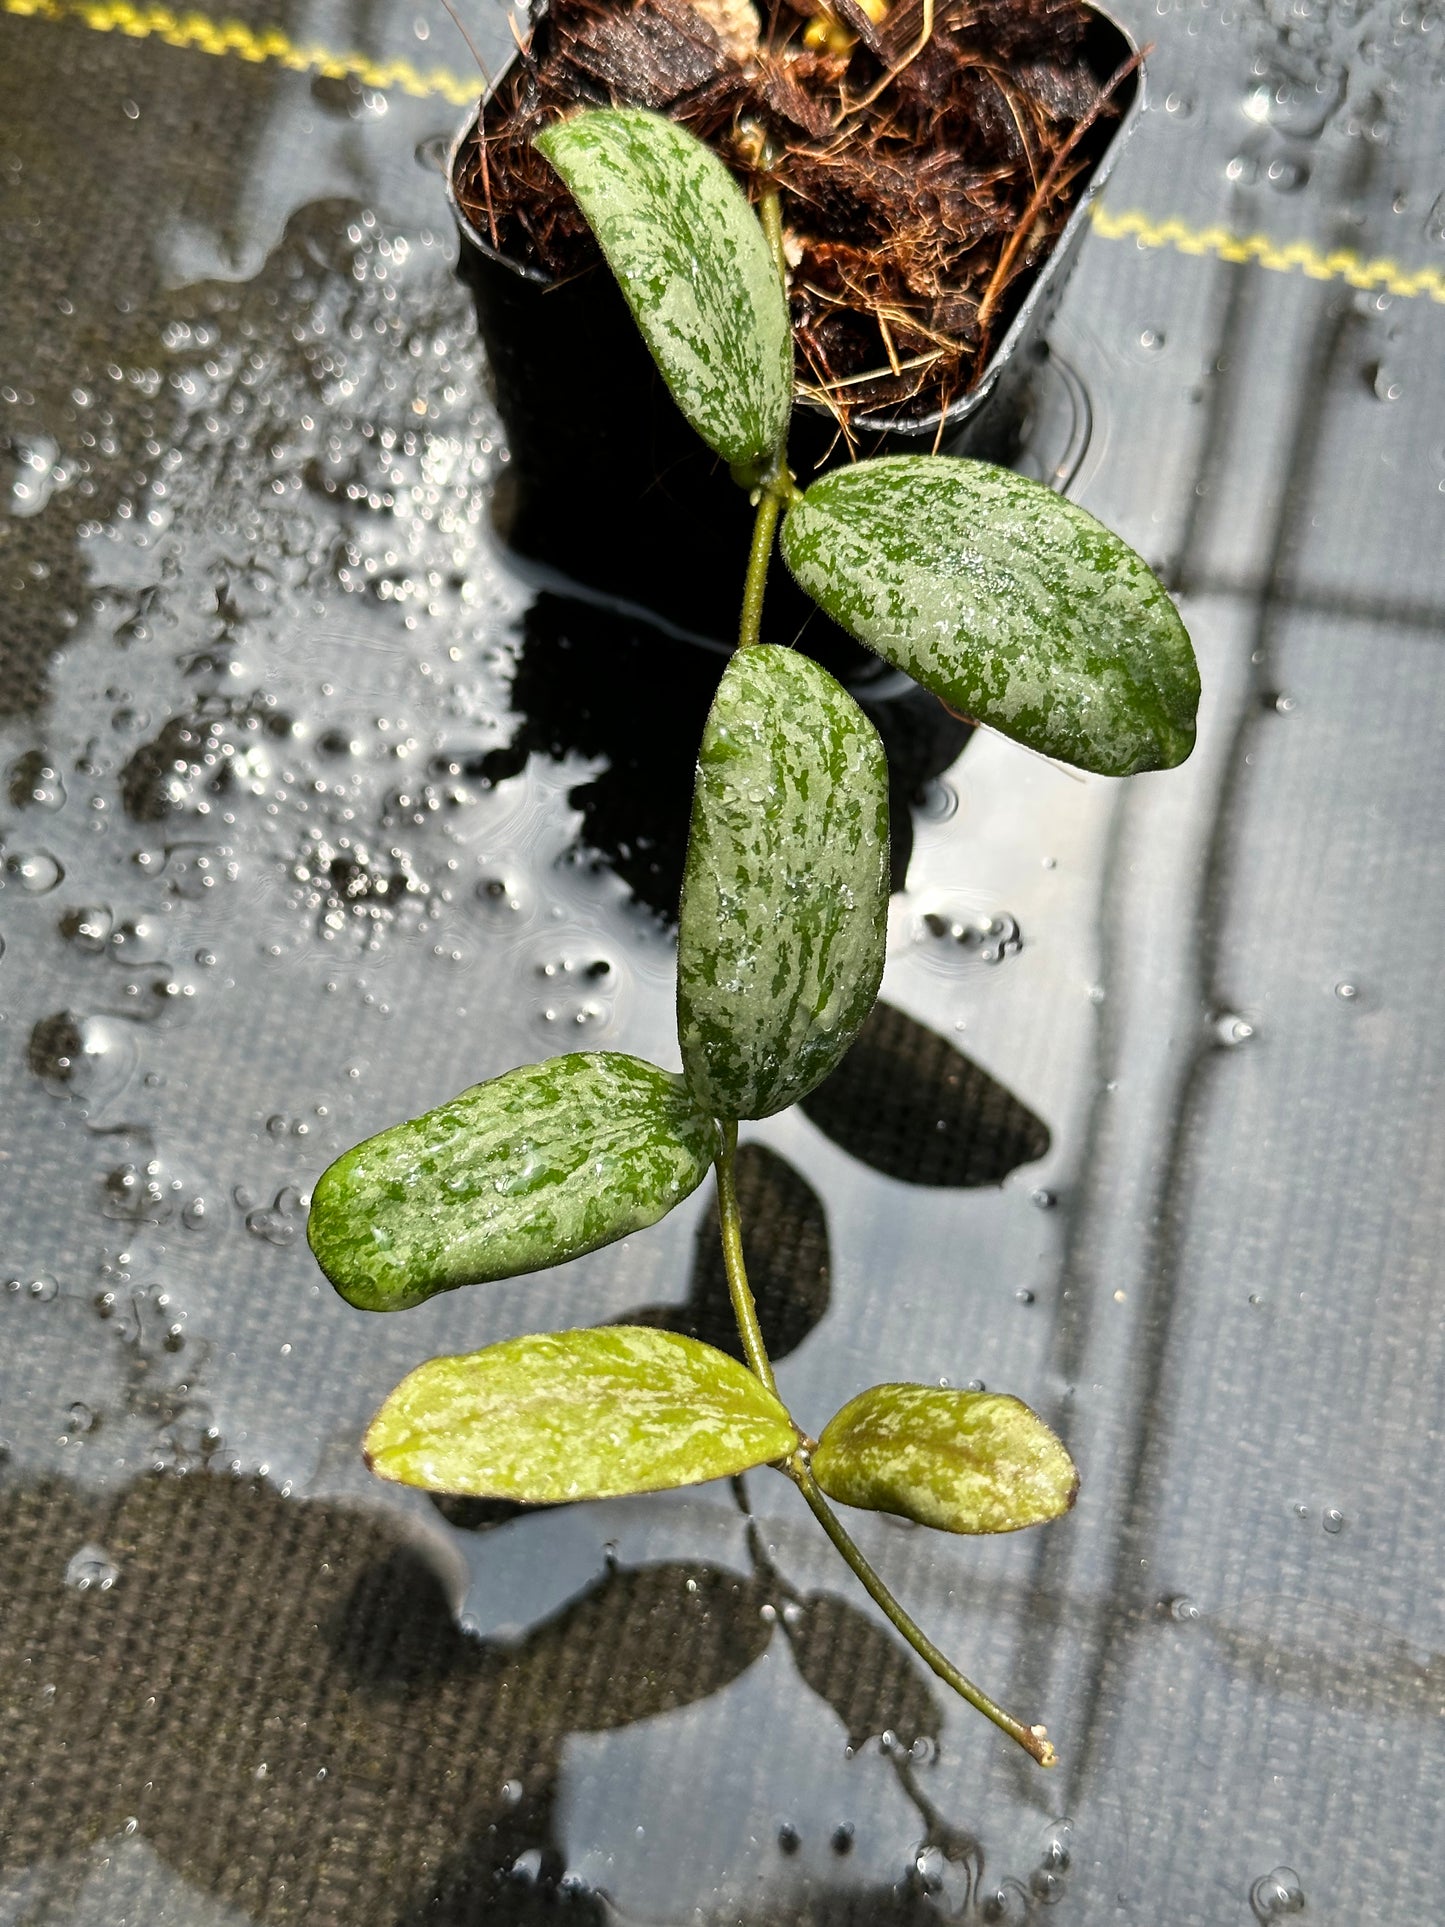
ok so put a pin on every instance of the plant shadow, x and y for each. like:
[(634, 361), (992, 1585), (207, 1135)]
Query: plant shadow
[(595, 682), (276, 1695)]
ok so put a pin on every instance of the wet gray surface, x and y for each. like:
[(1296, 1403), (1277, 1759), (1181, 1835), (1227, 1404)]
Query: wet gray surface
[(271, 880)]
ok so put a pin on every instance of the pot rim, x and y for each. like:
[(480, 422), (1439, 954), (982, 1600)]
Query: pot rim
[(965, 406)]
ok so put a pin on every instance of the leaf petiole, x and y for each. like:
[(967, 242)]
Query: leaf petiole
[(755, 586), (1033, 1739), (770, 213), (739, 1290)]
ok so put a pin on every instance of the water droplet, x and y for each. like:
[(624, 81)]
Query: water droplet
[(789, 1839), (91, 1569), (1179, 106), (938, 803), (1435, 222), (280, 1224), (989, 939), (842, 1837), (1333, 1520), (511, 1792), (526, 1869), (35, 871), (1058, 1846), (1045, 1200), (1383, 382), (1346, 991), (1182, 1608), (1001, 1905), (35, 783), (1287, 176), (80, 1419), (1024, 1295), (1230, 1029), (1276, 1894), (1242, 170), (929, 1866)]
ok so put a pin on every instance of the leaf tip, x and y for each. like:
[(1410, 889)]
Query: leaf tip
[(1174, 740)]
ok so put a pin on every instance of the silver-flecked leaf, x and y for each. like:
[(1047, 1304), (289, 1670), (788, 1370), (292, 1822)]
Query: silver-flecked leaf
[(1014, 606), (516, 1174), (694, 265), (960, 1461), (785, 893), (578, 1415)]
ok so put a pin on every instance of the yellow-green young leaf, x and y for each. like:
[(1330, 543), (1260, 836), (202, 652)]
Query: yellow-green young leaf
[(785, 894), (693, 262), (577, 1415), (961, 1461), (526, 1171), (1010, 603)]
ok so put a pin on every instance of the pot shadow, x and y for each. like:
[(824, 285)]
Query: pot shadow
[(276, 1695), (600, 683)]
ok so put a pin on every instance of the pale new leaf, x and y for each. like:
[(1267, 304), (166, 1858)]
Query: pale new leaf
[(578, 1415), (961, 1461)]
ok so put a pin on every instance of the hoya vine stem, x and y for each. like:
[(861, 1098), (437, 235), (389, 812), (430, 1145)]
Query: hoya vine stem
[(780, 488), (755, 587), (739, 1290), (1033, 1739)]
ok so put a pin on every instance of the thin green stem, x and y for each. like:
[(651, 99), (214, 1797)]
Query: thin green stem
[(770, 209), (739, 1290), (764, 529), (1033, 1739)]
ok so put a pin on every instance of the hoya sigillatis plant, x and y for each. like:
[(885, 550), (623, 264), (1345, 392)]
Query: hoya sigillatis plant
[(1014, 607)]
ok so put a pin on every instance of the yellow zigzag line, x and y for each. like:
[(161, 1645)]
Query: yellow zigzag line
[(210, 36), (1284, 257), (205, 34)]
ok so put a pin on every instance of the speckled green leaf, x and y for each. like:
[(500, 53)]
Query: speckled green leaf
[(577, 1415), (528, 1170), (694, 265), (961, 1461), (1010, 603), (785, 895)]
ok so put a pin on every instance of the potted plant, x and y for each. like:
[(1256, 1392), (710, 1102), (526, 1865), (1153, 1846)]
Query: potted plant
[(1004, 600), (934, 164)]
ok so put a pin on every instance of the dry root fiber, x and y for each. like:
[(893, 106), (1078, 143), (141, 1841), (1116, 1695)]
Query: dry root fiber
[(928, 152)]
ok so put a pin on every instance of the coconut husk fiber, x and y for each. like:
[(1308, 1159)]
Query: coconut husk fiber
[(926, 160)]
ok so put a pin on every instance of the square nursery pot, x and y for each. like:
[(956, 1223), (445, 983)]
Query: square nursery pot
[(611, 492)]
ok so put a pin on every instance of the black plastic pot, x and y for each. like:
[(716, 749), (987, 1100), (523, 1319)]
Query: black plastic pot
[(610, 488)]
